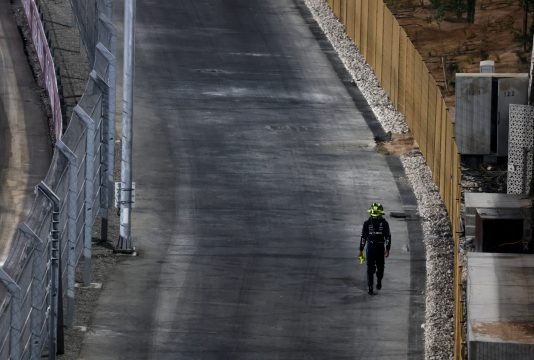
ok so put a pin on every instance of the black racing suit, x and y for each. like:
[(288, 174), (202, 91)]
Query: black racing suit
[(376, 234)]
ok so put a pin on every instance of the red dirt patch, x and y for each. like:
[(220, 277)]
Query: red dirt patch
[(399, 144), (518, 332), (449, 45)]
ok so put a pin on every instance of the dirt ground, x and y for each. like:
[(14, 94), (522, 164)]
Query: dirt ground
[(506, 331), (449, 44)]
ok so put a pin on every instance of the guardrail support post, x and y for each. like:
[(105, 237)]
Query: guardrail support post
[(57, 345), (89, 193), (14, 290), (71, 225)]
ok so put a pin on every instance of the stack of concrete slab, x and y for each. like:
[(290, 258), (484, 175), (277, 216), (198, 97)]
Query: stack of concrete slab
[(500, 306)]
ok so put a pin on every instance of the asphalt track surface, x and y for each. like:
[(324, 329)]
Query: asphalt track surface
[(255, 163), (25, 151)]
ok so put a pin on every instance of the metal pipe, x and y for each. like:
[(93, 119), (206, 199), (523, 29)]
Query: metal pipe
[(125, 238)]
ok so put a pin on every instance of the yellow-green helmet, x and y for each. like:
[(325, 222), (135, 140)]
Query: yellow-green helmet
[(376, 209)]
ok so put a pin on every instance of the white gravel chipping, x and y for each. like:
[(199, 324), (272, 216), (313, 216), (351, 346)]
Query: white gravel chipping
[(438, 327)]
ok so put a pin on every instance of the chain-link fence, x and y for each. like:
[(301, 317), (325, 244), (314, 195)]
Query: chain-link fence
[(87, 13), (46, 61), (40, 268)]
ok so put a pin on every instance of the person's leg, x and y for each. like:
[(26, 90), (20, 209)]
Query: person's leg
[(371, 268), (380, 270)]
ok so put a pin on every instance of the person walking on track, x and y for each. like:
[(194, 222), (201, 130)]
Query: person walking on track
[(377, 236)]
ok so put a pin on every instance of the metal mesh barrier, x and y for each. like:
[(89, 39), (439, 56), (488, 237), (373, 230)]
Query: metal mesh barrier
[(520, 151), (57, 231), (87, 13)]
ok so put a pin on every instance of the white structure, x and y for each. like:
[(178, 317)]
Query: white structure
[(482, 105)]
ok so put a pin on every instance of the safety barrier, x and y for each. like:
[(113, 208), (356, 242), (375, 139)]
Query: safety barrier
[(46, 61), (87, 17), (39, 271), (406, 79)]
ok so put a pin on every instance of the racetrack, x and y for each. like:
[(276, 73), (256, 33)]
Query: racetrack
[(255, 163)]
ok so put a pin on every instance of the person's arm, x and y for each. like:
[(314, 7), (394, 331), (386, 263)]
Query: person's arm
[(387, 236), (363, 238)]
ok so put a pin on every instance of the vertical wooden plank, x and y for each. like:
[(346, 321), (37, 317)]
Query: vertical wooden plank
[(380, 39), (452, 155), (448, 166), (371, 34), (424, 109), (395, 60), (402, 72), (358, 24), (442, 151), (409, 86), (337, 8), (416, 95), (459, 317), (431, 122), (364, 29), (344, 12), (351, 5), (331, 4), (418, 78), (455, 195), (437, 140), (386, 52)]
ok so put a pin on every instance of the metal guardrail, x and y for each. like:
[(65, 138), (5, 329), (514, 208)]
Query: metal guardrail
[(39, 271)]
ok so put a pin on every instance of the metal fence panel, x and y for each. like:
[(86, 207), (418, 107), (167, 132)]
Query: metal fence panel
[(46, 62), (86, 14), (57, 223)]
